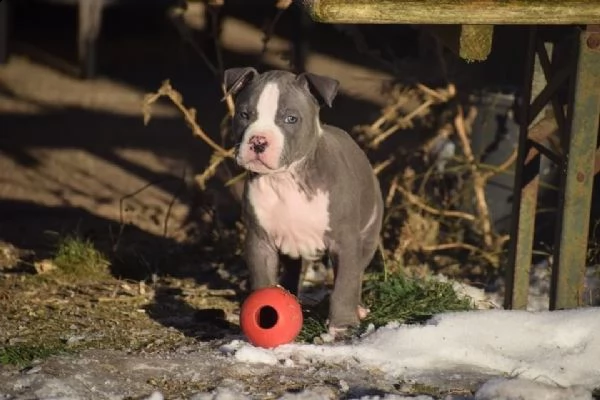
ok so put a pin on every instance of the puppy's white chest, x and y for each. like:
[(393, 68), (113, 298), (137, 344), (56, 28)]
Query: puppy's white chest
[(294, 222)]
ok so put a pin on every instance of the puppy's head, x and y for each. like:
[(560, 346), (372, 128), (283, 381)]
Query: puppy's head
[(276, 119)]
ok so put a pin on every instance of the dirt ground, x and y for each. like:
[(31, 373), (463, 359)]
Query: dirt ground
[(72, 155), (75, 157)]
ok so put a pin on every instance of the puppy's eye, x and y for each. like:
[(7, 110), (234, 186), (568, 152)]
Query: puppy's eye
[(290, 119), (244, 115)]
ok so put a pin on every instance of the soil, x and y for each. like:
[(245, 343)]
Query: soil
[(76, 158)]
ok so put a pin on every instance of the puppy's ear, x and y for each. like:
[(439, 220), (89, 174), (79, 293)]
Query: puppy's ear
[(322, 87), (236, 78)]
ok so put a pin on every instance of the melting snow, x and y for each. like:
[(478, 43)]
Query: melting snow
[(548, 355)]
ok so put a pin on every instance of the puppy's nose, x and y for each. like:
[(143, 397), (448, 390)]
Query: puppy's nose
[(258, 144)]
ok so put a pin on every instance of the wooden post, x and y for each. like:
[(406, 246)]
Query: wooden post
[(90, 19)]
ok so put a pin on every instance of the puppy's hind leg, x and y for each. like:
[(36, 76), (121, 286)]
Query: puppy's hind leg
[(345, 298), (369, 250)]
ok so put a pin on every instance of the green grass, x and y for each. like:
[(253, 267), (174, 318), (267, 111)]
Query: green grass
[(23, 354), (409, 300), (79, 257), (393, 298), (312, 326)]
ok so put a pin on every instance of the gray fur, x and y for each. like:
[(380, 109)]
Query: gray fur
[(331, 162)]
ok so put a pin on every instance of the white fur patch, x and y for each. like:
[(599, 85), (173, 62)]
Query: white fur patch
[(295, 224), (264, 126)]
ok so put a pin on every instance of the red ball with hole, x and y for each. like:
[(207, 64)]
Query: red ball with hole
[(271, 317)]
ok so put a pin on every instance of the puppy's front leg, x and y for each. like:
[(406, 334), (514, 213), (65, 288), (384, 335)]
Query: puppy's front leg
[(262, 259)]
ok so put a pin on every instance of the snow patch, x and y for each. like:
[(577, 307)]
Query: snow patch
[(395, 397), (221, 393), (518, 389), (556, 349), (155, 396), (255, 355)]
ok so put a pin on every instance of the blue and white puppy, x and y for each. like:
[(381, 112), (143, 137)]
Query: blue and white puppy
[(311, 189)]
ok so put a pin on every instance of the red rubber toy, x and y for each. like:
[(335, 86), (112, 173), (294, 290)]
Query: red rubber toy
[(271, 317)]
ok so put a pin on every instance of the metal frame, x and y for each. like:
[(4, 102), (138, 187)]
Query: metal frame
[(579, 134)]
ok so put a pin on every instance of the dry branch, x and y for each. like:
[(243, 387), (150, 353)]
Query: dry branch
[(268, 31), (391, 112), (416, 197), (383, 165), (391, 192), (465, 246), (415, 200), (502, 167), (189, 114), (177, 18), (220, 154), (479, 180)]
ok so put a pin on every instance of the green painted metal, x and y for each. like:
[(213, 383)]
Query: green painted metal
[(524, 203), (576, 186)]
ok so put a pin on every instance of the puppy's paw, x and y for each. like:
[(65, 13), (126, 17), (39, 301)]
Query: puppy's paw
[(362, 312), (341, 334)]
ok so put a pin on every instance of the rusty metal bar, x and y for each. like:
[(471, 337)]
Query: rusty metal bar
[(548, 69), (524, 200), (548, 93), (576, 183), (552, 156), (517, 288)]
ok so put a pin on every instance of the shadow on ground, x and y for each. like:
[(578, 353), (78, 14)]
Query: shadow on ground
[(138, 49)]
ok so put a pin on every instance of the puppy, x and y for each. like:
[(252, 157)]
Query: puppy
[(311, 190)]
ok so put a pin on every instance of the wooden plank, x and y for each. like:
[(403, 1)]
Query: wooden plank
[(541, 12)]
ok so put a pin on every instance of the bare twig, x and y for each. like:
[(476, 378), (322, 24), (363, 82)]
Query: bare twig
[(229, 102), (220, 154), (383, 165), (479, 180), (444, 132), (415, 200), (176, 14), (281, 6), (215, 160), (502, 167), (172, 202), (383, 259), (391, 192), (425, 179), (214, 8), (403, 122), (459, 245), (122, 200), (236, 179), (441, 96), (189, 114), (390, 112), (434, 97)]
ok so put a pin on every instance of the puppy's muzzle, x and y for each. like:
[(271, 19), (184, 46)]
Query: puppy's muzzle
[(258, 144)]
